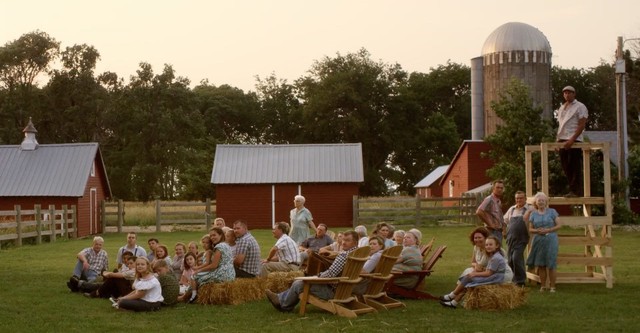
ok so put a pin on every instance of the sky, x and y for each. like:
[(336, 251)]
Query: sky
[(233, 42)]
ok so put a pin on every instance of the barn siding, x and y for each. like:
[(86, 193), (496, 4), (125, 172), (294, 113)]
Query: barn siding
[(330, 203), (251, 203)]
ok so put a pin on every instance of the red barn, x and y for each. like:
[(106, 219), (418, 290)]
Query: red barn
[(55, 174), (429, 186), (257, 183), (467, 169)]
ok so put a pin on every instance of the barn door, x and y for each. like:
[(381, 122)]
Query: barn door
[(93, 211)]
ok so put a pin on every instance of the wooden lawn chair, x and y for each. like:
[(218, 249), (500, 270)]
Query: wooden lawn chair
[(331, 234), (426, 248), (416, 292), (375, 296), (343, 302)]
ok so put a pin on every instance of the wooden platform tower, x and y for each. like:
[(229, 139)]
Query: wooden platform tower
[(597, 257)]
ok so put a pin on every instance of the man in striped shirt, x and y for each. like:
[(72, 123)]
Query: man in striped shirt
[(283, 257), (287, 300)]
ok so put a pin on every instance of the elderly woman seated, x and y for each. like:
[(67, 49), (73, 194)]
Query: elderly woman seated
[(410, 259)]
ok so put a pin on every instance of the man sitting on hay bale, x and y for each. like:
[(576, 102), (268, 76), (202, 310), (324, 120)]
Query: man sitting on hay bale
[(283, 256), (287, 300), (247, 255)]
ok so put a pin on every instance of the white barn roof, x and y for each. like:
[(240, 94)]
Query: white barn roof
[(50, 170), (301, 163), (432, 177)]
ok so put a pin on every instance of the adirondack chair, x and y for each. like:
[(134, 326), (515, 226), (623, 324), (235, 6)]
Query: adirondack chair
[(343, 302), (416, 292), (426, 248), (375, 296)]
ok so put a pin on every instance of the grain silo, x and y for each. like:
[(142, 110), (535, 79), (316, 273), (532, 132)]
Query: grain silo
[(513, 50)]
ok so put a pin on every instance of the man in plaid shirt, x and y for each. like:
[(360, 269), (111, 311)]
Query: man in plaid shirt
[(247, 255), (287, 300), (91, 262)]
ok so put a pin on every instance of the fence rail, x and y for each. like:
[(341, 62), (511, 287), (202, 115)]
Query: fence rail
[(166, 213), (416, 211), (19, 225)]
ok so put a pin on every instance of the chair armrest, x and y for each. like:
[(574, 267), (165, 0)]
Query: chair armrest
[(319, 280)]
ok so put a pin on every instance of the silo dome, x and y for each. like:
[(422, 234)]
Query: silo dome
[(516, 36)]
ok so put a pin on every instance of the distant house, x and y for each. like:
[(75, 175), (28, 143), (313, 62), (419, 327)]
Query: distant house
[(55, 174), (467, 169), (257, 183), (429, 186)]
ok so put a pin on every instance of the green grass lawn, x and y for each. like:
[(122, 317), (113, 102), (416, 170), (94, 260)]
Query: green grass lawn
[(35, 298)]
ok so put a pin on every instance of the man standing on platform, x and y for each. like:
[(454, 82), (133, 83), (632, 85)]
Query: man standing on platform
[(572, 120)]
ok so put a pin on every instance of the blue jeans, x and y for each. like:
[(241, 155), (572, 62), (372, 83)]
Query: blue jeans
[(498, 234), (290, 297), (88, 275)]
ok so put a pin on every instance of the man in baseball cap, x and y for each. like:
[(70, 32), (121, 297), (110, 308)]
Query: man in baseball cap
[(572, 120)]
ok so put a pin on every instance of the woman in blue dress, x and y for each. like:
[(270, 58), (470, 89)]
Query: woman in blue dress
[(543, 224), (301, 220)]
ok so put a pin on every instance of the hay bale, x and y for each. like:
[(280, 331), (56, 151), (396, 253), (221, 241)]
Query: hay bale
[(281, 281), (245, 290), (495, 297)]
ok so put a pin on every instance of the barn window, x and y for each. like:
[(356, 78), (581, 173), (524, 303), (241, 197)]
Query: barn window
[(93, 169)]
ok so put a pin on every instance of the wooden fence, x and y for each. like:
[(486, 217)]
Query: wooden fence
[(166, 213), (19, 224), (416, 211)]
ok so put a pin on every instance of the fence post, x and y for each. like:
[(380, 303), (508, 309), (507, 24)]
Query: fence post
[(158, 216), (52, 223), (120, 215), (207, 213), (18, 225), (103, 215), (418, 219), (74, 220), (355, 211), (36, 208), (64, 221)]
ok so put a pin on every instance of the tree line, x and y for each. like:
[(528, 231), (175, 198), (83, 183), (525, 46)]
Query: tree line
[(158, 133)]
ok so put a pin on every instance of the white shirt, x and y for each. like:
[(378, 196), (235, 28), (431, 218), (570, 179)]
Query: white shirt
[(568, 119), (152, 287), (287, 250)]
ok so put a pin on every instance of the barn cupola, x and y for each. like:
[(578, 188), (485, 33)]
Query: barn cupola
[(29, 142)]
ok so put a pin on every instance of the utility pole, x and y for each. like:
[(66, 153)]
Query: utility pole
[(621, 94)]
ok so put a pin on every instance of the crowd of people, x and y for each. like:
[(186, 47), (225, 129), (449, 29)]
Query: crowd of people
[(145, 281)]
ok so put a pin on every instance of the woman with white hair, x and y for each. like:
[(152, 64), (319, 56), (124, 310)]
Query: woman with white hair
[(301, 221), (362, 232), (410, 259), (543, 224)]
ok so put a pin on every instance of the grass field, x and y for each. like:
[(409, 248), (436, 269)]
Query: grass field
[(35, 298)]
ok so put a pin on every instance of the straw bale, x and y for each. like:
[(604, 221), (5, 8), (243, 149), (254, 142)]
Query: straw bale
[(281, 281), (495, 297), (242, 290)]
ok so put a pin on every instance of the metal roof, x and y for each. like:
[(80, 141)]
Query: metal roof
[(516, 36), (50, 170), (432, 177), (301, 163), (605, 136)]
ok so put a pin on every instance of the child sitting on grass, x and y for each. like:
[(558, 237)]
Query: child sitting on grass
[(146, 294), (493, 274), (168, 282)]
